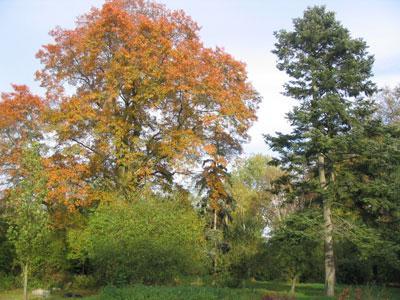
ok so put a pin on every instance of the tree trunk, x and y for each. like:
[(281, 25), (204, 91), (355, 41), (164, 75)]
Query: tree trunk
[(25, 271), (215, 220), (215, 242), (293, 287), (328, 233)]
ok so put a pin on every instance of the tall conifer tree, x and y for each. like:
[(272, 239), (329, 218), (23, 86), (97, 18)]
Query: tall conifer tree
[(330, 77)]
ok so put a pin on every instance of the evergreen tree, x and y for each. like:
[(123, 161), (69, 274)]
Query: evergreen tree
[(330, 77)]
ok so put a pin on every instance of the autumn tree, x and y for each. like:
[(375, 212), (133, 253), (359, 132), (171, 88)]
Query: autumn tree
[(140, 100), (23, 122), (330, 74), (20, 125)]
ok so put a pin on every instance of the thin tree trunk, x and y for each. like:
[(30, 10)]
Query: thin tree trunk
[(215, 220), (215, 242), (25, 271), (328, 233), (293, 287)]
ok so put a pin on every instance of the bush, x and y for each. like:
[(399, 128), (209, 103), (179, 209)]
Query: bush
[(144, 242), (83, 282), (8, 282)]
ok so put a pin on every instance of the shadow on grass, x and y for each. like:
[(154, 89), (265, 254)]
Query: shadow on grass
[(311, 289)]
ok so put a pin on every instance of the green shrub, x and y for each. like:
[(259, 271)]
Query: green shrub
[(144, 242), (8, 282), (83, 282)]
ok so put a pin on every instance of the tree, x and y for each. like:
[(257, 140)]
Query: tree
[(368, 186), (217, 201), (388, 101), (134, 88), (29, 222), (252, 187), (293, 244), (330, 74), (24, 122), (251, 212), (20, 125)]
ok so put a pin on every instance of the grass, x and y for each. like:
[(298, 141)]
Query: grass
[(140, 292), (316, 290), (252, 290)]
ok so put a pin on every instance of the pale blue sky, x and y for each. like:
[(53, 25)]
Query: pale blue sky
[(243, 27)]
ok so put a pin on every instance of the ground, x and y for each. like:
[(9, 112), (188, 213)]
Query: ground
[(253, 290)]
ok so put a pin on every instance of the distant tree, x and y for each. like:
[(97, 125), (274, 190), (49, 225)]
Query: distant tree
[(330, 76), (252, 187), (249, 184), (388, 101), (6, 248)]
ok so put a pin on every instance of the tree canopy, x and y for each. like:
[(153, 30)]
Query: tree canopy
[(136, 90)]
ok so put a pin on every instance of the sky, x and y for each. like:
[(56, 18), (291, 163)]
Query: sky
[(244, 28)]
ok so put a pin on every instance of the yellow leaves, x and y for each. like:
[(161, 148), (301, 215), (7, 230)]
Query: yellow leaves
[(177, 142), (146, 94)]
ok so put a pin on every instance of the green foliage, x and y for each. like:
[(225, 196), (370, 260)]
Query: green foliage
[(368, 186), (28, 218), (294, 248), (83, 282), (330, 75), (7, 251), (149, 241), (245, 241), (8, 282), (250, 185), (242, 237)]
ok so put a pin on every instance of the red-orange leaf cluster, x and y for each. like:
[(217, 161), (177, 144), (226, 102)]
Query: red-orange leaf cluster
[(20, 124)]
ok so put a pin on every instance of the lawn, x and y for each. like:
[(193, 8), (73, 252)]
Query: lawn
[(252, 290)]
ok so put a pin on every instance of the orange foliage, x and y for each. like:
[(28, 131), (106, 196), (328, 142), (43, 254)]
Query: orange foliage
[(20, 124), (143, 98), (66, 183)]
